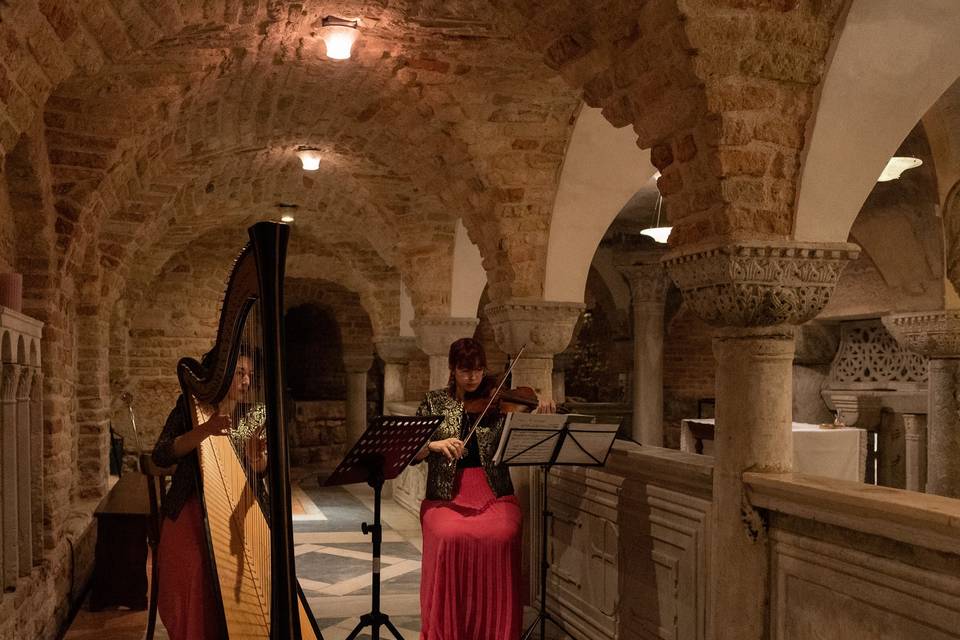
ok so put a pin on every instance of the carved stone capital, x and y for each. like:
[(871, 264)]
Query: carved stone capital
[(648, 282), (357, 362), (933, 334), (9, 381), (755, 284), (545, 327), (26, 381), (396, 349), (435, 334)]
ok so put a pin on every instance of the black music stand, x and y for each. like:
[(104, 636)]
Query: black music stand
[(382, 452), (545, 441)]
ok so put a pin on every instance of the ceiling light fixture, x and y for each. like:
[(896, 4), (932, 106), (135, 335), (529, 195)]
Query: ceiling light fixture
[(896, 166), (339, 34), (658, 233), (309, 158), (287, 218)]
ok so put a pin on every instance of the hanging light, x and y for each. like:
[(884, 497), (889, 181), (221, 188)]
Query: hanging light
[(287, 218), (658, 233), (339, 35), (309, 158), (896, 166)]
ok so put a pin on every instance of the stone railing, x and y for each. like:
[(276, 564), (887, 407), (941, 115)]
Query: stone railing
[(628, 545), (859, 561), (410, 486)]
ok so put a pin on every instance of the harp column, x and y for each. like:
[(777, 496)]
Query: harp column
[(435, 334), (648, 291), (396, 353), (356, 365), (545, 327), (755, 292)]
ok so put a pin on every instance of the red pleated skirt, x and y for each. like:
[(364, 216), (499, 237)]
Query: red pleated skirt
[(470, 583), (185, 604)]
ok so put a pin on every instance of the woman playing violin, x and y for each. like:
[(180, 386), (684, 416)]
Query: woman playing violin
[(470, 583)]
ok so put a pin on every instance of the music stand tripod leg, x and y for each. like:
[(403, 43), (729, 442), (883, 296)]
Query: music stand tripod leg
[(376, 618), (543, 615)]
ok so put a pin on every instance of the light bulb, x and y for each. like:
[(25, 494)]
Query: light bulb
[(287, 219), (339, 40), (309, 158)]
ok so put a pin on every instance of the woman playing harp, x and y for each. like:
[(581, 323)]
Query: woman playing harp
[(186, 597), (249, 587)]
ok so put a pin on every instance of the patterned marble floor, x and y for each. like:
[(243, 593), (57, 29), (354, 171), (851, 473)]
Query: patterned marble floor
[(333, 563)]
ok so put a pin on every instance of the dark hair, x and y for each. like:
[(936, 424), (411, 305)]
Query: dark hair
[(467, 353)]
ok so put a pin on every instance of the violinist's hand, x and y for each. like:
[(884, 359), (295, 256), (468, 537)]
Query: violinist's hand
[(547, 405), (451, 448)]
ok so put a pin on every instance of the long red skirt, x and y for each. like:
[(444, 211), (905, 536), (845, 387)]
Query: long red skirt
[(185, 602), (470, 583)]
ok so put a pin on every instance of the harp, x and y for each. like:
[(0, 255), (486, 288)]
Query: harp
[(244, 477)]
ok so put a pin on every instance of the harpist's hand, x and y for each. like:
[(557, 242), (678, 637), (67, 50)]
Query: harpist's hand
[(217, 425), (451, 448)]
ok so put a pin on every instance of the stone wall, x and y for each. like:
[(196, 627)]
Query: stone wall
[(319, 439)]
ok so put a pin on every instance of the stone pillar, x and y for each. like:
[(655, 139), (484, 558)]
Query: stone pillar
[(24, 472), (915, 449), (648, 288), (396, 353), (435, 334), (754, 292), (9, 535), (546, 329), (356, 366), (936, 335)]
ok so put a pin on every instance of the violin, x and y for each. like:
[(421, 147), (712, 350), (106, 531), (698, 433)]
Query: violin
[(490, 396)]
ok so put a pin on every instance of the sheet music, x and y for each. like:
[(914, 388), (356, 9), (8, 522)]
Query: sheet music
[(534, 443), (587, 443)]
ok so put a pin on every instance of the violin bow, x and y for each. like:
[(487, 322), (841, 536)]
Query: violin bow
[(476, 423)]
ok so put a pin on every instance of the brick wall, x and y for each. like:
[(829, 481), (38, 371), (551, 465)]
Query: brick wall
[(689, 368)]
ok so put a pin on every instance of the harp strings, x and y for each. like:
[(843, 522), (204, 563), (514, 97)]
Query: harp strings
[(250, 442)]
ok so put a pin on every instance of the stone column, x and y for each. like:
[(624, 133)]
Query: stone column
[(648, 289), (356, 366), (24, 472), (435, 334), (915, 448), (754, 292), (396, 353), (9, 535), (546, 329), (936, 335)]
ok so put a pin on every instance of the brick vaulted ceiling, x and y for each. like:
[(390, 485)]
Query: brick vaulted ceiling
[(165, 121)]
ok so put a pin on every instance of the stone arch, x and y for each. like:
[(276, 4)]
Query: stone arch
[(21, 350), (468, 279), (951, 229), (863, 114), (602, 169)]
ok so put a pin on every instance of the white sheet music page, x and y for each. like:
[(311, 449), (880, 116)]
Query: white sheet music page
[(587, 443), (529, 438)]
